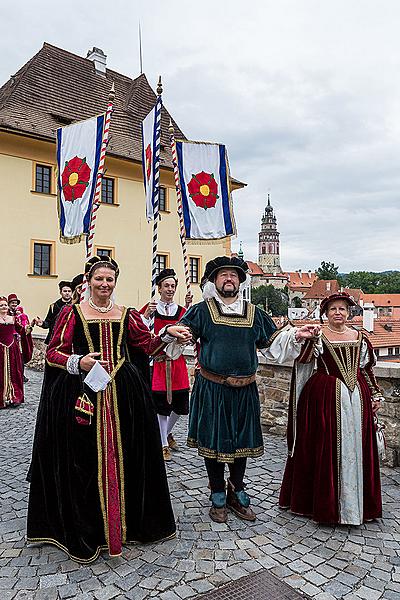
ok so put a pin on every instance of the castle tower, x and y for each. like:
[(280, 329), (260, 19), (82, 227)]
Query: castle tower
[(268, 242)]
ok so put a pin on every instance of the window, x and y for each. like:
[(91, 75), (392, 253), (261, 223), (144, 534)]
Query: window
[(104, 251), (43, 179), (108, 190), (390, 351), (42, 259), (162, 199), (194, 269), (161, 262), (376, 352), (397, 350)]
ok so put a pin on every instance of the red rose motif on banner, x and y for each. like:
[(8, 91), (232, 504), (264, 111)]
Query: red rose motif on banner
[(148, 161), (75, 178), (203, 190)]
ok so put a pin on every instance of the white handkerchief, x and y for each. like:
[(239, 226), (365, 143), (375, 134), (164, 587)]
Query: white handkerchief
[(97, 378)]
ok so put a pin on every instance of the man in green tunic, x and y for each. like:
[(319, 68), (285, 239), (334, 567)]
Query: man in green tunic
[(224, 420)]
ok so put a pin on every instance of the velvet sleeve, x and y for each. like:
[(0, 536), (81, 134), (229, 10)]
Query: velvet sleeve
[(140, 337), (60, 346), (266, 329), (192, 319), (49, 318), (367, 369)]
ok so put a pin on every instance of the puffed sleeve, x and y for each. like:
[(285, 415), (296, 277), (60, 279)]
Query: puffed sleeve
[(367, 362), (60, 347), (140, 337)]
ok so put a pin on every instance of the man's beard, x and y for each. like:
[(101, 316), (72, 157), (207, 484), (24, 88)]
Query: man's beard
[(228, 293)]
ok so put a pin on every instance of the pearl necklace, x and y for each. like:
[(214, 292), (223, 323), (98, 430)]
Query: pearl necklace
[(102, 309), (336, 331)]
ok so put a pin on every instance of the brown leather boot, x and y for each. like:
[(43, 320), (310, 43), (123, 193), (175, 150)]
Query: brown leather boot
[(239, 503), (219, 515)]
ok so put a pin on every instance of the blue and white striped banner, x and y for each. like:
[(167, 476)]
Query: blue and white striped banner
[(151, 141)]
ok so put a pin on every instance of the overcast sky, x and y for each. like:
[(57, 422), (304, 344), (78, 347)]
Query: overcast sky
[(304, 93)]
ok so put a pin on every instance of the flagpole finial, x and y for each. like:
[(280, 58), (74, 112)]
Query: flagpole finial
[(111, 94), (171, 128), (159, 87)]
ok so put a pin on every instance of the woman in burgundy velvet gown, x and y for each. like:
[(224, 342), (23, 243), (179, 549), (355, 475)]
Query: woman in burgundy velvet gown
[(332, 471), (11, 358)]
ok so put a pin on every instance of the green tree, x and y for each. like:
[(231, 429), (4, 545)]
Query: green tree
[(267, 296), (327, 270)]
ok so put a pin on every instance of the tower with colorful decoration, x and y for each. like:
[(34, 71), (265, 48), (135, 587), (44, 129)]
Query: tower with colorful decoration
[(268, 242)]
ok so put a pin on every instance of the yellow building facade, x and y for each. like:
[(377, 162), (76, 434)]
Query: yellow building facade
[(29, 225)]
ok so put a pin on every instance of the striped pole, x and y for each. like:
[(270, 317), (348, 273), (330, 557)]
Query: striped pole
[(96, 198), (182, 232), (156, 193)]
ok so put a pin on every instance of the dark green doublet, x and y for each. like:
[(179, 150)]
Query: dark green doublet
[(224, 422)]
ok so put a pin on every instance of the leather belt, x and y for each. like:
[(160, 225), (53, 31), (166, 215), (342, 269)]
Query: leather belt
[(230, 380)]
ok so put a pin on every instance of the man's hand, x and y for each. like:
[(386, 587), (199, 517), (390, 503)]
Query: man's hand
[(188, 299), (180, 332), (37, 321), (308, 332), (151, 308)]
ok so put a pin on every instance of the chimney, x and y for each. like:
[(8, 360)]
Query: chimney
[(97, 56), (309, 273), (368, 317), (328, 286)]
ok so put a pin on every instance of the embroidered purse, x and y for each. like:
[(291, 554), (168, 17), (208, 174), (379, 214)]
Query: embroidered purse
[(85, 410)]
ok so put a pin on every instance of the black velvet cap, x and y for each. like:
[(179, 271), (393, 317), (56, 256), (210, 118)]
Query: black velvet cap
[(226, 262)]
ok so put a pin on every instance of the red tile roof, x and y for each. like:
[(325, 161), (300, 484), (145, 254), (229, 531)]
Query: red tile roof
[(382, 299), (56, 87), (301, 280), (254, 268), (321, 288)]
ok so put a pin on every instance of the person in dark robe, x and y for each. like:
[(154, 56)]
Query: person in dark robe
[(97, 475), (65, 299)]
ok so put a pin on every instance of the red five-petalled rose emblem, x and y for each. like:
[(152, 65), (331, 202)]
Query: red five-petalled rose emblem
[(75, 178), (148, 161), (203, 190)]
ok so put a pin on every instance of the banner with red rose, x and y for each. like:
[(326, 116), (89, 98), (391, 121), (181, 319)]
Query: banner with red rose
[(204, 182), (78, 157), (151, 136)]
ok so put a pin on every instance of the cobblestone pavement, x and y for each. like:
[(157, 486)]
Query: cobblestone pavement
[(323, 562)]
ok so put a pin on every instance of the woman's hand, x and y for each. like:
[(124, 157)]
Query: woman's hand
[(308, 332), (151, 308), (181, 333), (37, 321), (88, 361)]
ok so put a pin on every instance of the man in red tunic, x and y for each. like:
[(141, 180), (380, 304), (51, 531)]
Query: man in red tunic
[(170, 382)]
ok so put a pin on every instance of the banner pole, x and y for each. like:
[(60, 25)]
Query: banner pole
[(182, 232), (96, 198), (156, 196)]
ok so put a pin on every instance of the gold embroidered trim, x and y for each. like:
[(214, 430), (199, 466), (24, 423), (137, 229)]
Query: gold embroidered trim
[(120, 462), (347, 357), (83, 561), (338, 394), (224, 457), (245, 320)]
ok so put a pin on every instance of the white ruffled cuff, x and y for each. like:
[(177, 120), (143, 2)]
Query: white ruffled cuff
[(73, 364)]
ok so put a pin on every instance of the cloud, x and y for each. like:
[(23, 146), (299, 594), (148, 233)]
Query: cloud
[(304, 93)]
